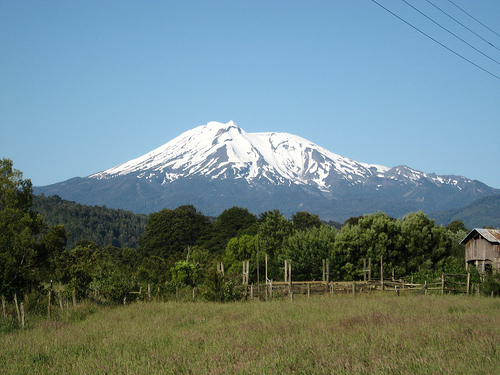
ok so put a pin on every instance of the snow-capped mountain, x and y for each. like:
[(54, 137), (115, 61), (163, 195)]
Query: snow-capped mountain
[(217, 166), (225, 151)]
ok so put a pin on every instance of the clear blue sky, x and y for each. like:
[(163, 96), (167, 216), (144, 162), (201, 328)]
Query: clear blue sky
[(87, 85)]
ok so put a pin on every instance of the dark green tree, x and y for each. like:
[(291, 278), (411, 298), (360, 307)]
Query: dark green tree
[(19, 228), (274, 228), (456, 226), (304, 220), (231, 223), (307, 249), (170, 232), (54, 255)]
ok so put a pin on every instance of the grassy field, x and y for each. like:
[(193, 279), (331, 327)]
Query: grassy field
[(322, 335)]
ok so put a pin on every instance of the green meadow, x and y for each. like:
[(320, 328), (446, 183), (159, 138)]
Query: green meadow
[(366, 334)]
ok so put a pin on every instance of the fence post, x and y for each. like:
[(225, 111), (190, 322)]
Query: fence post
[(48, 306), (382, 273), (286, 270), (324, 270), (468, 283), (308, 290), (4, 307), (369, 269), (266, 269), (74, 297), (17, 308), (442, 284), (364, 269), (246, 271), (22, 314), (290, 275), (354, 289), (327, 271)]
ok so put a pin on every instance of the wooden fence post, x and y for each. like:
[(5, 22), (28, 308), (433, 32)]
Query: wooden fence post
[(22, 314), (149, 292), (354, 289), (48, 305), (17, 308), (257, 266), (327, 271), (382, 273), (220, 267), (364, 269), (4, 307), (74, 297), (369, 269), (468, 283), (290, 274), (442, 284), (246, 271), (266, 269), (286, 270), (308, 290)]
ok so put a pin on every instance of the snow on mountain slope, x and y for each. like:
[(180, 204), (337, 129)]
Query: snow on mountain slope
[(217, 166), (226, 151)]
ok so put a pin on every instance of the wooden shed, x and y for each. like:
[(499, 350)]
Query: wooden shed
[(482, 249)]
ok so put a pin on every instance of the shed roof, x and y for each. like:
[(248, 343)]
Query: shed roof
[(490, 235)]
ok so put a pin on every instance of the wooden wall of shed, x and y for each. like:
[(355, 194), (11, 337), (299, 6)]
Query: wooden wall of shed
[(480, 249)]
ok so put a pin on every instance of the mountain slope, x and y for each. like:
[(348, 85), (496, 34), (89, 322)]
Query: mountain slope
[(217, 166), (478, 214)]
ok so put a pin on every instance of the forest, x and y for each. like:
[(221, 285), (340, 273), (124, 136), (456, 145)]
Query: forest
[(118, 252)]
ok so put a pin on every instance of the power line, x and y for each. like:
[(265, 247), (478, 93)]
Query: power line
[(444, 28), (438, 42), (461, 24), (475, 19)]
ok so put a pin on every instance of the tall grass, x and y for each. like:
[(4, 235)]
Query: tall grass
[(321, 335)]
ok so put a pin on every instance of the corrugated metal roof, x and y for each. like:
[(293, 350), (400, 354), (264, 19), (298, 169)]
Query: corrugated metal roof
[(490, 235)]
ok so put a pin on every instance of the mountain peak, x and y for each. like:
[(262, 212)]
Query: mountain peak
[(216, 166), (225, 151)]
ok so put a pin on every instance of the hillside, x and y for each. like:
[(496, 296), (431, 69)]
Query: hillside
[(104, 226), (478, 214)]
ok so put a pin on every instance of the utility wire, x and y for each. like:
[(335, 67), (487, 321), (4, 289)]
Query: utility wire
[(438, 42), (456, 36), (461, 24), (475, 19)]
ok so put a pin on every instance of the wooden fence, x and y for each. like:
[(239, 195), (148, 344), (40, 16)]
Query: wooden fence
[(450, 283)]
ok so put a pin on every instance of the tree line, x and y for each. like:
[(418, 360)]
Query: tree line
[(181, 247), (102, 225)]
